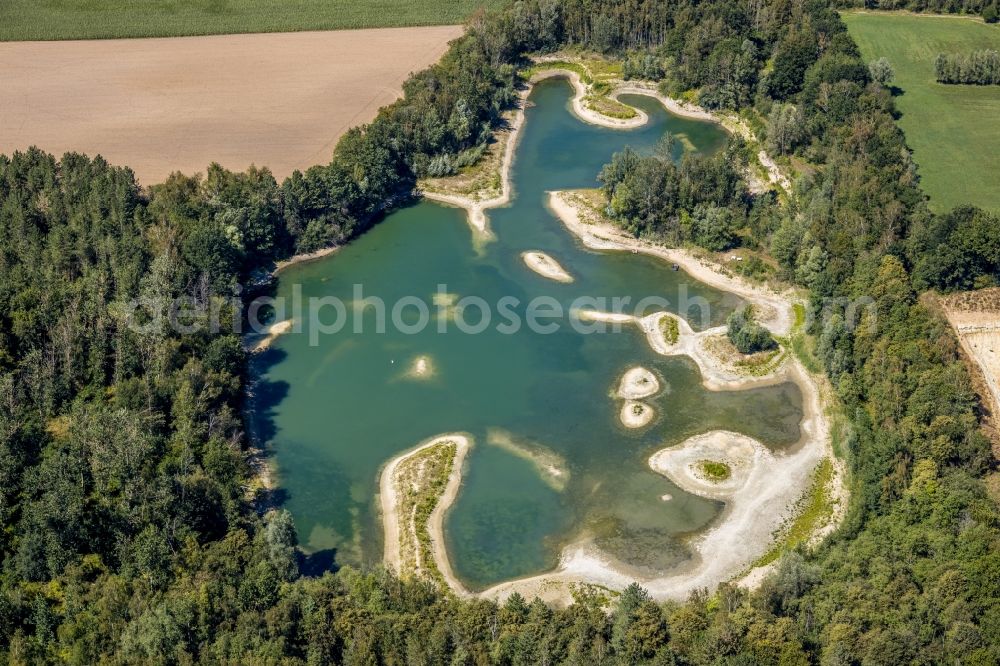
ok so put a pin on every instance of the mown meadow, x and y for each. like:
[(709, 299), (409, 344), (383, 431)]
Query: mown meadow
[(952, 129)]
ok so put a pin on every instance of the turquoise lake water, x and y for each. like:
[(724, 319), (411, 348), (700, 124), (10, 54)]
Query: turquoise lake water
[(336, 411)]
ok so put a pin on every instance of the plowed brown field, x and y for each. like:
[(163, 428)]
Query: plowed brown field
[(162, 105)]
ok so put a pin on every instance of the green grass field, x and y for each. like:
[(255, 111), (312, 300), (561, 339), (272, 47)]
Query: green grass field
[(103, 19), (954, 130)]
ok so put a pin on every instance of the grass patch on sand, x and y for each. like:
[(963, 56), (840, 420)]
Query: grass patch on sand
[(670, 329), (952, 129), (812, 511), (599, 101), (22, 20), (715, 470), (802, 344)]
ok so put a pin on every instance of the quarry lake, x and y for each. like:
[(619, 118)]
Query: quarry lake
[(551, 462)]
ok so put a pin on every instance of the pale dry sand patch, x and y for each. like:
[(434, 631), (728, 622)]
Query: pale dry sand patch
[(177, 104), (681, 463), (637, 382), (975, 316), (546, 266)]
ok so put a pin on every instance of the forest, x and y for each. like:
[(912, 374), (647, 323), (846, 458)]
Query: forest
[(129, 532)]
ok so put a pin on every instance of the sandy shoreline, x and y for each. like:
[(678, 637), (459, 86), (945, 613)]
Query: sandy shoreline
[(580, 110), (392, 523), (773, 309), (760, 494), (476, 207), (764, 486), (759, 497)]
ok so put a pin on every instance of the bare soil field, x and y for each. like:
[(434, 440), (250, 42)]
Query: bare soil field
[(975, 316), (178, 104)]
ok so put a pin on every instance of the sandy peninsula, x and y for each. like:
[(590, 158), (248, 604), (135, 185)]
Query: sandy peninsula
[(546, 266), (579, 106), (404, 477)]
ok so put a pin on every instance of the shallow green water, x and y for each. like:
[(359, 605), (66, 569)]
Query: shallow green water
[(335, 412)]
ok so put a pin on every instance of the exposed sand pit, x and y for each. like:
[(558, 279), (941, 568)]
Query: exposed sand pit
[(975, 316), (636, 383), (546, 266), (635, 414), (163, 105)]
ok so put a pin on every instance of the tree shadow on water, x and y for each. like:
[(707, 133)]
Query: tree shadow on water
[(264, 395), (316, 564)]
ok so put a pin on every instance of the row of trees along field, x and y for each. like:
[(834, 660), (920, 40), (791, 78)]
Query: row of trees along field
[(127, 534), (988, 9), (979, 67)]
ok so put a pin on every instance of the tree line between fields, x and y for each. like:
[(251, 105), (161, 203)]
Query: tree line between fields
[(979, 67), (989, 10), (128, 535)]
